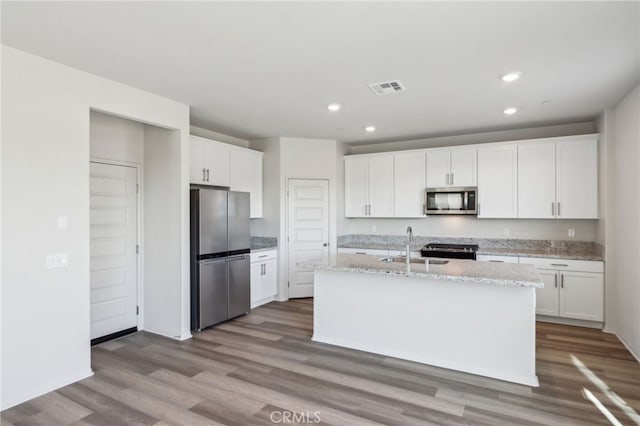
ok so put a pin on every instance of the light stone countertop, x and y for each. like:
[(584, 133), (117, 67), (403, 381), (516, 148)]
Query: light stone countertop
[(505, 274)]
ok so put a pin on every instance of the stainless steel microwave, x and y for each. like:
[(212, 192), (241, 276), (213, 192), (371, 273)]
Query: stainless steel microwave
[(460, 200)]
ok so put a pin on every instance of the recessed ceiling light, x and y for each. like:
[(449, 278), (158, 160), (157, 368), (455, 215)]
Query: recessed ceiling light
[(333, 107), (510, 111), (370, 129), (512, 76)]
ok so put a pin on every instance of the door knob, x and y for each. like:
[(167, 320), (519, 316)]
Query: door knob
[(325, 244)]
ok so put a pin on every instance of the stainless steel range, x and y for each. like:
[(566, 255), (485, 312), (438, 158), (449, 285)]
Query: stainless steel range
[(450, 251)]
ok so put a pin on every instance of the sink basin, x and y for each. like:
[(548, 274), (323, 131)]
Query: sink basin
[(402, 259)]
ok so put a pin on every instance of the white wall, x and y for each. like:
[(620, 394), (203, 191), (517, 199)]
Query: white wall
[(220, 137), (583, 128), (623, 222), (461, 226), (45, 173), (115, 138)]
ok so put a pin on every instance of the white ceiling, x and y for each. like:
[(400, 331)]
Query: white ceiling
[(265, 69)]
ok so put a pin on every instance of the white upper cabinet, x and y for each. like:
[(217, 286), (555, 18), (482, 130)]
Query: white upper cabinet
[(356, 187), (246, 176), (577, 178), (464, 167), (537, 180), (558, 178), (498, 181), (368, 186), (219, 164), (451, 167), (209, 162), (381, 186), (438, 168), (409, 184)]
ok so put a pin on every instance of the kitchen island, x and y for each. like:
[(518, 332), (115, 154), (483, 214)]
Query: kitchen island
[(464, 315)]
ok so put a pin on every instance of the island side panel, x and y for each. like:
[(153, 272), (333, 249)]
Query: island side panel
[(483, 329)]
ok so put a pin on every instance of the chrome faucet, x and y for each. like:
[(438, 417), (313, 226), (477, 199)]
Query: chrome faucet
[(409, 239)]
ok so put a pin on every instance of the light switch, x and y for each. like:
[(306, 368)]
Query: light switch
[(59, 260), (63, 222)]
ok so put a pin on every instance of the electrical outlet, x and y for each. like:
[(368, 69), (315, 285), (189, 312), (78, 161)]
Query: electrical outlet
[(506, 232), (60, 260), (374, 229), (572, 233)]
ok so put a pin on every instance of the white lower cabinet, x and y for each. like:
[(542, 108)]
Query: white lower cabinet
[(572, 288), (264, 277)]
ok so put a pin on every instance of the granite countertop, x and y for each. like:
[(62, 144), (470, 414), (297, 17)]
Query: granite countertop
[(505, 274), (570, 250)]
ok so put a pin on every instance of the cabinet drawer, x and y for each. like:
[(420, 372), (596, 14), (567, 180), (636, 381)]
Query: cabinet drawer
[(497, 259), (262, 256), (373, 252), (564, 264)]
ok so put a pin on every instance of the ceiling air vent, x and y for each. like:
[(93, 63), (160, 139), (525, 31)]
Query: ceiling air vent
[(387, 87)]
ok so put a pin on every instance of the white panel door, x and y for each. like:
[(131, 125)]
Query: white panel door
[(217, 157), (547, 297), (308, 231), (577, 178), (498, 182), (409, 184), (463, 167), (356, 186), (113, 239), (245, 175), (197, 167), (438, 168), (381, 186), (536, 180), (581, 295)]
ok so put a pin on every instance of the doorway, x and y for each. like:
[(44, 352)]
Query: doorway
[(308, 231), (113, 250)]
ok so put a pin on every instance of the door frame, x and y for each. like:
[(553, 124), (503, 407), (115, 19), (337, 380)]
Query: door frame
[(287, 220), (139, 233)]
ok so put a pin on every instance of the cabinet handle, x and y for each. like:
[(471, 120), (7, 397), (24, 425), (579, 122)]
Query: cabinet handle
[(553, 208), (452, 178), (264, 255), (561, 280), (497, 261), (555, 280), (447, 179), (559, 264), (207, 175), (204, 175), (558, 209), (360, 252)]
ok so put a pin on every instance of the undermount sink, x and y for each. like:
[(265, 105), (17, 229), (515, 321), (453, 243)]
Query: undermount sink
[(402, 259)]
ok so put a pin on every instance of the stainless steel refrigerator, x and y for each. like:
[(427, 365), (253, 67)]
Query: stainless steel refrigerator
[(220, 262)]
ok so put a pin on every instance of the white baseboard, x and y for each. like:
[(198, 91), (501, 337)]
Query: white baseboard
[(179, 338), (569, 321), (13, 401), (624, 342)]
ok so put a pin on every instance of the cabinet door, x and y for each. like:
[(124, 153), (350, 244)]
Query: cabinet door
[(256, 282), (537, 180), (438, 168), (409, 185), (463, 167), (246, 175), (547, 297), (381, 186), (581, 295), (577, 178), (217, 163), (356, 186), (269, 284), (498, 182), (197, 168)]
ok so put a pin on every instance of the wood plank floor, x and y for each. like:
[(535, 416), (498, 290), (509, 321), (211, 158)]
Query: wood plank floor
[(263, 367)]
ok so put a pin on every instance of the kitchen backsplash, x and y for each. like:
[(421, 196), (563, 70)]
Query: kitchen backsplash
[(263, 242), (399, 241)]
